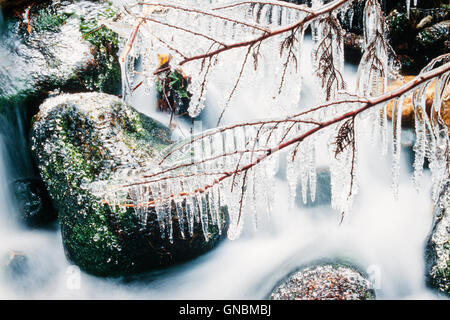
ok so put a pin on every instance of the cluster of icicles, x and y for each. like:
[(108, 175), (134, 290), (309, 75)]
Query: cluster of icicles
[(195, 180), (166, 27)]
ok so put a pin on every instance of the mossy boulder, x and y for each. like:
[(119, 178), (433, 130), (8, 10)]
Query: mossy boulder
[(325, 282), (438, 246), (83, 138)]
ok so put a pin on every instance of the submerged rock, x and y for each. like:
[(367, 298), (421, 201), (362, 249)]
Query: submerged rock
[(438, 246), (15, 265), (80, 138), (33, 202), (325, 282)]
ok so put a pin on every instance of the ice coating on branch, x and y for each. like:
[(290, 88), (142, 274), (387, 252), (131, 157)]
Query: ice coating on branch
[(432, 139), (195, 180), (166, 28), (396, 144), (185, 185), (374, 70), (328, 54), (408, 6)]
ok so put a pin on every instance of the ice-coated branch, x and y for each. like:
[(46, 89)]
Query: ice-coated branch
[(234, 165), (303, 22)]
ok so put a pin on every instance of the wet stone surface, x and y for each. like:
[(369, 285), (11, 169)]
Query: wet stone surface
[(327, 282), (438, 246)]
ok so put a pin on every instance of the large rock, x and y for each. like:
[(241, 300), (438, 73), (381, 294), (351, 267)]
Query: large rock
[(81, 138), (325, 282), (438, 246)]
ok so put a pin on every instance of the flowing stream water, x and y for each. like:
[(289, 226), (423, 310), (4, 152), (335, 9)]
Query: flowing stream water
[(383, 237)]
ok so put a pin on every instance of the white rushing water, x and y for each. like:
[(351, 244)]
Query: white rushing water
[(382, 236)]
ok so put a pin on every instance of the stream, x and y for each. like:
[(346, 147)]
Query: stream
[(385, 238)]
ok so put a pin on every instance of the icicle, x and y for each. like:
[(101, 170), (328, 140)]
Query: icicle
[(190, 215), (312, 167), (408, 7), (203, 214), (373, 72), (159, 210), (302, 154), (178, 189), (419, 150), (292, 175), (396, 144), (384, 130), (125, 82), (420, 146)]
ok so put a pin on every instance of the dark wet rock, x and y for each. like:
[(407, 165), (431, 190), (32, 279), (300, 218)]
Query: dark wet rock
[(432, 42), (33, 202), (438, 246), (325, 282), (81, 138), (353, 47), (419, 37), (15, 265), (323, 190)]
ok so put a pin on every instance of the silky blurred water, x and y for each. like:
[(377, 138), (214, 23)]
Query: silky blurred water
[(381, 236)]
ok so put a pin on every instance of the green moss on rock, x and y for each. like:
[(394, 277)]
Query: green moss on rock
[(105, 75)]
